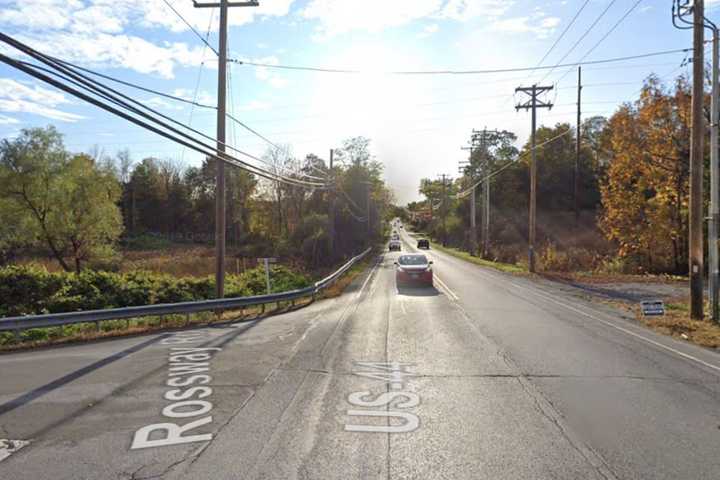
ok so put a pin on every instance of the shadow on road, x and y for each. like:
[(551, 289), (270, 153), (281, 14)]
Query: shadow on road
[(417, 291)]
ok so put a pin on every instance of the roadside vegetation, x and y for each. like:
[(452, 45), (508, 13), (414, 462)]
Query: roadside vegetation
[(631, 215), (628, 224), (251, 283), (92, 231)]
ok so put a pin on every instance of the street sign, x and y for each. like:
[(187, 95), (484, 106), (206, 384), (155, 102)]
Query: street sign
[(652, 307), (267, 262)]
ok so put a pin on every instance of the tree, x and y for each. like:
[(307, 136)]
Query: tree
[(645, 192), (72, 202)]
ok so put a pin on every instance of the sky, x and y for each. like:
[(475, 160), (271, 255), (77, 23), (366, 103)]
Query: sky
[(417, 123)]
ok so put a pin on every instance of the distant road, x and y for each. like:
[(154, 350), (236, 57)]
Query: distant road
[(487, 376)]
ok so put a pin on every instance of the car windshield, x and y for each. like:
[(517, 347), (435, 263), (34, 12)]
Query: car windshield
[(413, 260)]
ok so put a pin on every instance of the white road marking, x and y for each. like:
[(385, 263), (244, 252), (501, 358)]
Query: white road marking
[(188, 377), (8, 447), (446, 288), (392, 373), (367, 279), (402, 305), (610, 324), (622, 329)]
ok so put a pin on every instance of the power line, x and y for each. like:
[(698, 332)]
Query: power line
[(349, 199), (466, 72), (607, 34), (199, 77), (468, 190), (193, 102), (197, 34), (102, 91), (577, 42), (131, 85), (562, 34)]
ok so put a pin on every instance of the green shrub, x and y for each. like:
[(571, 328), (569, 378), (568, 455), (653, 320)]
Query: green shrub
[(27, 290), (146, 241)]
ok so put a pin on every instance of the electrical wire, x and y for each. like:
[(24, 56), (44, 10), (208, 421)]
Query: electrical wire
[(100, 90), (191, 28), (468, 190), (577, 42), (562, 34), (199, 77), (468, 72), (193, 102), (349, 199), (604, 37), (132, 85)]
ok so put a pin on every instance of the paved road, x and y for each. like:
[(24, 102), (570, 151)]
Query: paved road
[(487, 376)]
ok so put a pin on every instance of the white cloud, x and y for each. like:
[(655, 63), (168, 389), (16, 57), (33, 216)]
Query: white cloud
[(97, 32), (264, 73), (202, 96), (159, 102), (464, 10), (17, 97), (342, 16), (5, 120), (541, 29), (116, 51), (429, 30), (254, 105), (278, 82), (15, 90)]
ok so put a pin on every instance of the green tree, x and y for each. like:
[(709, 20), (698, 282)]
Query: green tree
[(72, 201)]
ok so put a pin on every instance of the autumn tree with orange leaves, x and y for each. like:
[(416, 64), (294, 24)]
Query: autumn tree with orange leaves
[(645, 189)]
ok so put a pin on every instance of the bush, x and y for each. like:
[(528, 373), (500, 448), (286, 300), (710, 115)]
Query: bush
[(569, 260), (622, 265), (146, 241), (27, 290)]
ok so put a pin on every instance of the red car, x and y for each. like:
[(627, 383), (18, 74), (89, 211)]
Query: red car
[(413, 269)]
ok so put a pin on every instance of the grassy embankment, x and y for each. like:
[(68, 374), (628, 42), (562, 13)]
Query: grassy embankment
[(69, 292)]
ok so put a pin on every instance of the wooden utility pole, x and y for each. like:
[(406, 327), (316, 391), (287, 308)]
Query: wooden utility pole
[(369, 225), (713, 273), (697, 138), (576, 175), (444, 209), (533, 104), (466, 168), (331, 216), (219, 163), (486, 219)]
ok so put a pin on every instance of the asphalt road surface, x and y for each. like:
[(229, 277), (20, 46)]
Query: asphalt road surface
[(486, 376)]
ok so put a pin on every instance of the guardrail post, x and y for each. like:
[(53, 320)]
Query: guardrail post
[(187, 319), (262, 308), (97, 325), (18, 335)]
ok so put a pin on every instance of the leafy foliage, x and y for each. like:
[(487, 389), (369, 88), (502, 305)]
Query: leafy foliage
[(29, 290), (68, 202), (645, 192)]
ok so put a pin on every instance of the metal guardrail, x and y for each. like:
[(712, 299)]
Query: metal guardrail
[(18, 324)]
